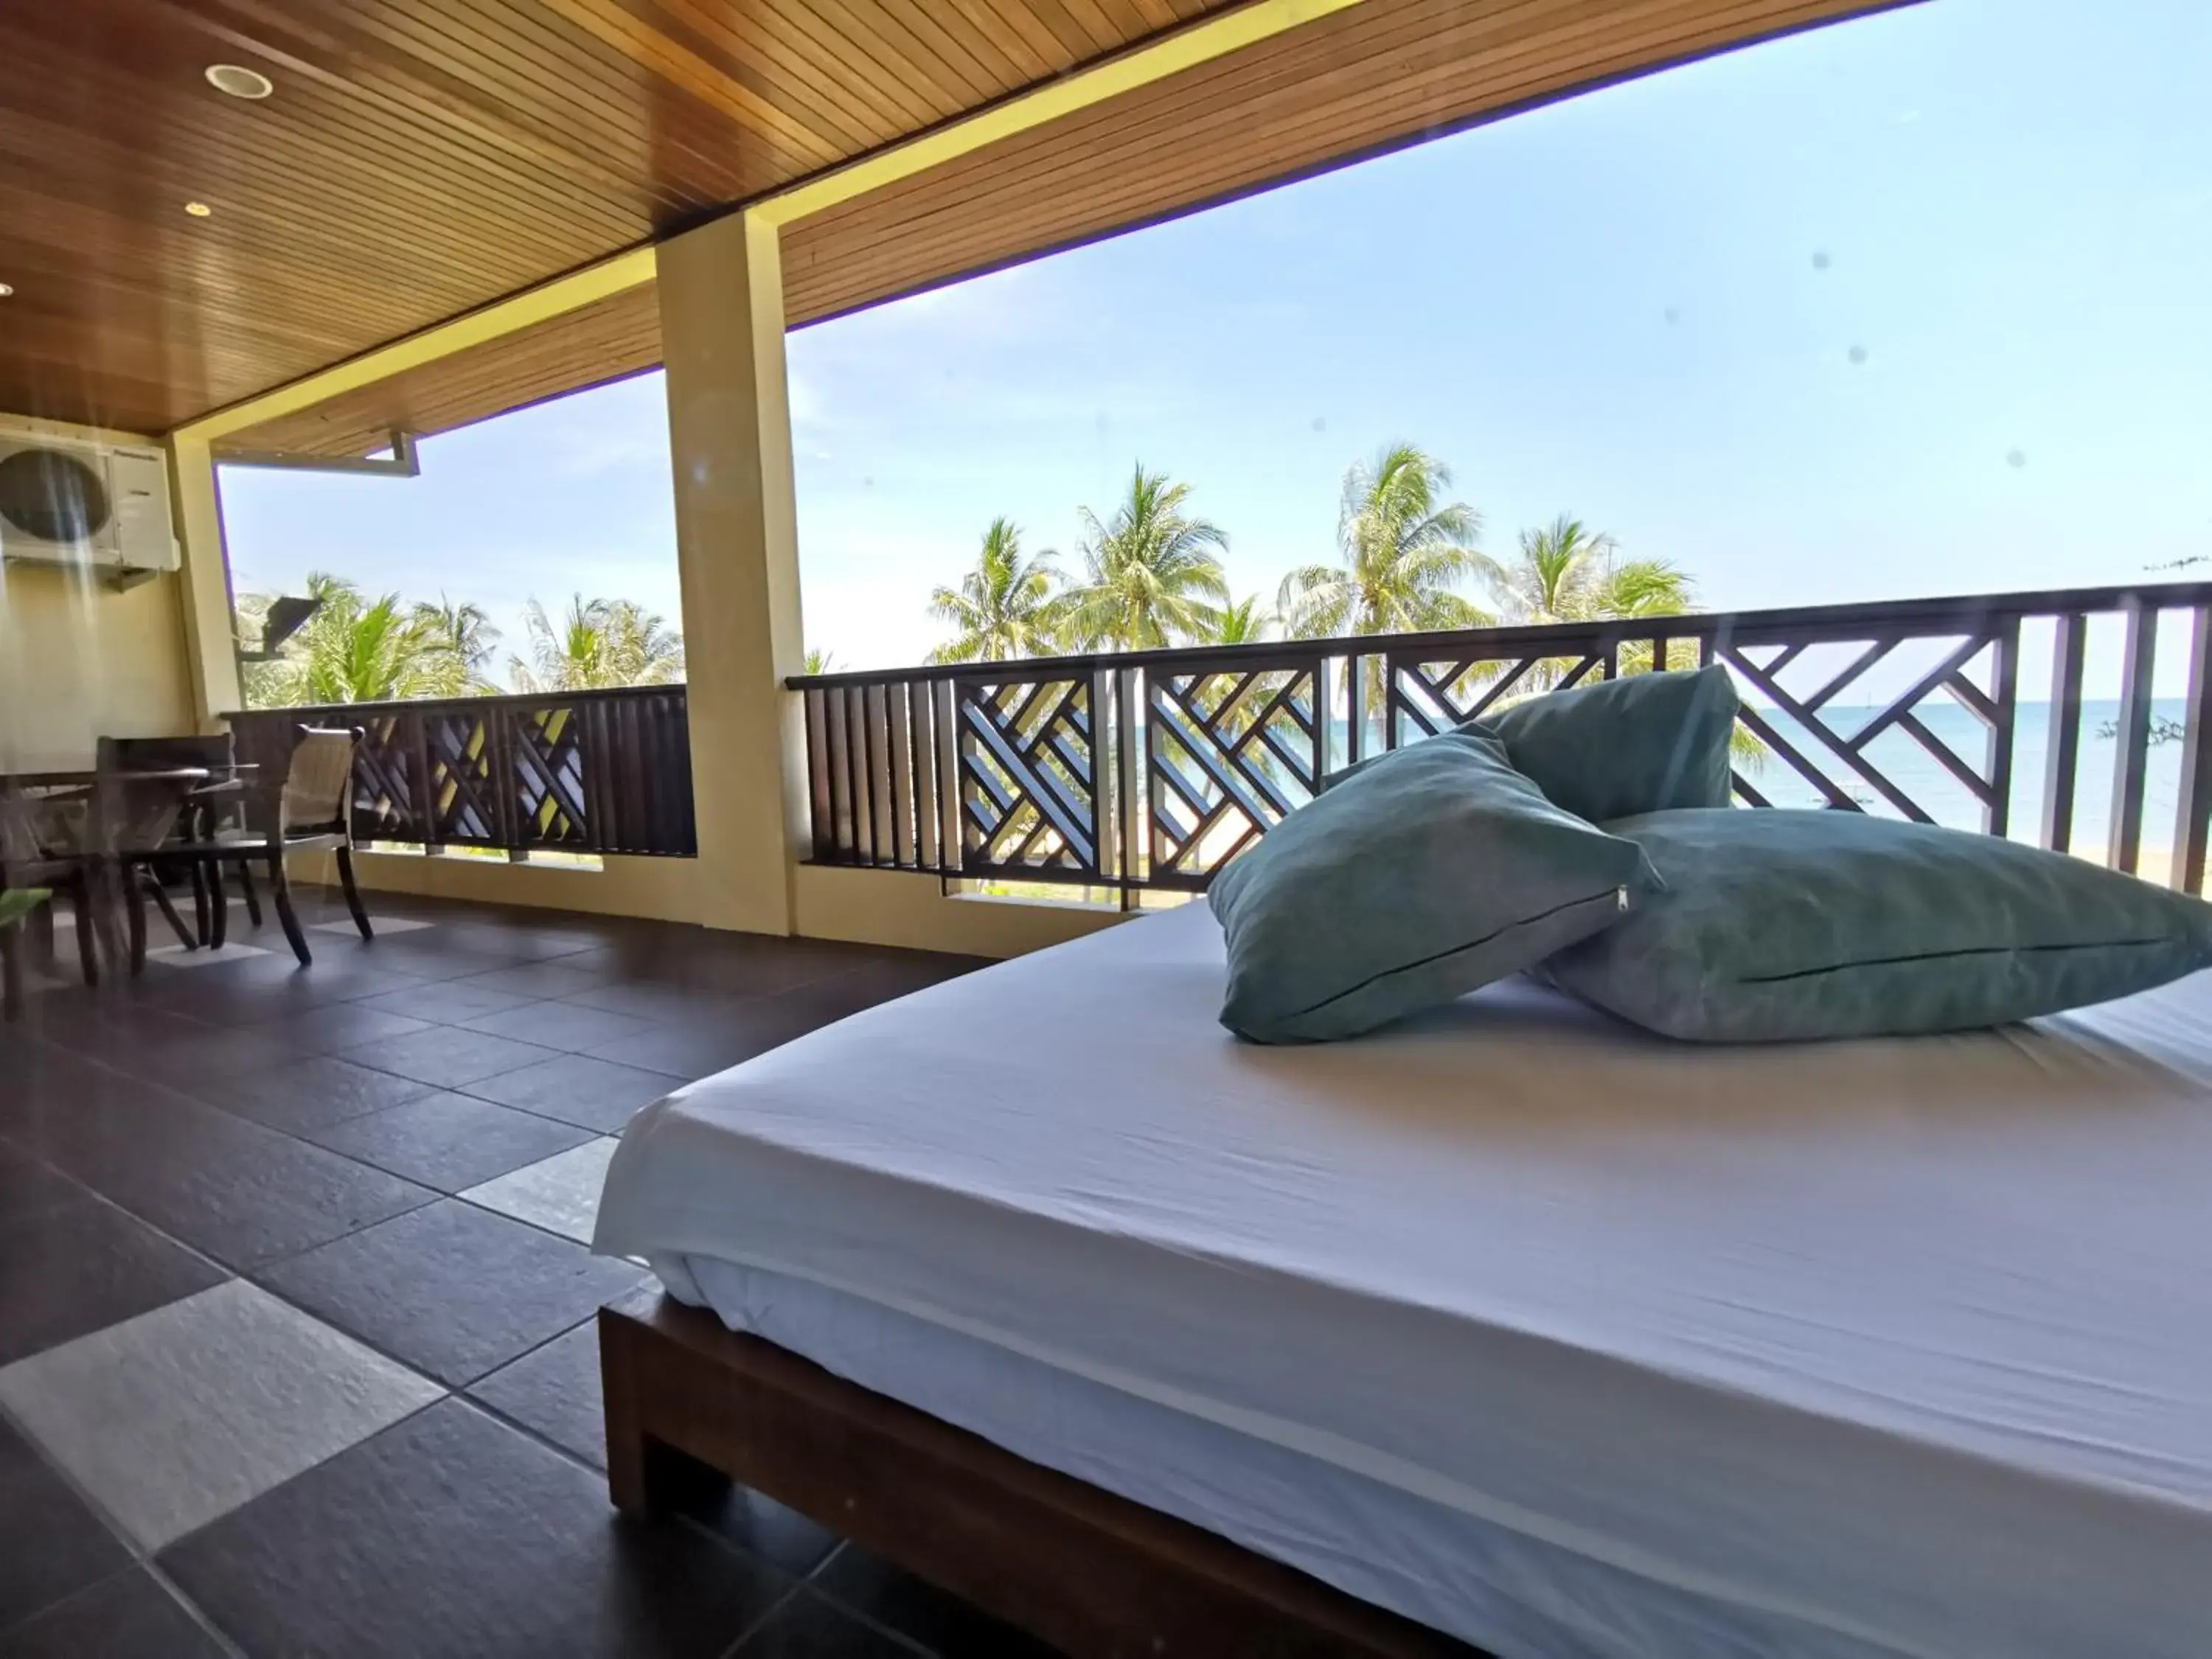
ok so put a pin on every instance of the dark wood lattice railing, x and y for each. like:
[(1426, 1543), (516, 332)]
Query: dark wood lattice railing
[(1152, 769), (573, 772)]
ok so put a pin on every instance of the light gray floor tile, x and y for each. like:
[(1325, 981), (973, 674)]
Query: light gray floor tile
[(181, 1415), (383, 925), (175, 956), (560, 1193)]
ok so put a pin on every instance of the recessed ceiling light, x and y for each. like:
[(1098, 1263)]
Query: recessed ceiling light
[(6, 288), (198, 210), (236, 81)]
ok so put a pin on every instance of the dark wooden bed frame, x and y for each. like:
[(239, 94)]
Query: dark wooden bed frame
[(689, 1402)]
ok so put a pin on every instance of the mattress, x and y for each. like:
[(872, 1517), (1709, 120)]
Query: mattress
[(1565, 1339)]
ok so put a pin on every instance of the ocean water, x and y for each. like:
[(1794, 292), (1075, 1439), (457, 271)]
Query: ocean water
[(1924, 779), (1900, 758)]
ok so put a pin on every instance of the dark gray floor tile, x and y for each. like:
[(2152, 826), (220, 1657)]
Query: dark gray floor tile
[(204, 1058), (688, 1052), (242, 1193), (71, 1264), (339, 1025), (662, 1004), (560, 1025), (597, 1094), (122, 1618), (29, 1189), (760, 1526), (433, 955), (50, 1545), (555, 1391), (452, 1535), (521, 935), (808, 1627), (937, 1618), (558, 978), (449, 1141), (882, 982), (758, 967), (310, 1094), (447, 1001), (130, 1616), (101, 1024), (446, 1057), (453, 1289)]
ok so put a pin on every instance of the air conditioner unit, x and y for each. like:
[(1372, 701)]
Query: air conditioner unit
[(98, 507)]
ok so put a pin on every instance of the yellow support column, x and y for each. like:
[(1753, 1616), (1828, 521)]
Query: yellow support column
[(737, 540), (210, 641)]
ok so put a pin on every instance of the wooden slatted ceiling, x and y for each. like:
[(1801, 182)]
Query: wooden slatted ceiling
[(421, 158), (1384, 74), (1379, 76)]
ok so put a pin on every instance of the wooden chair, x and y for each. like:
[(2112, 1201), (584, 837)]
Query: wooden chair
[(42, 846), (211, 811), (311, 810), (17, 906)]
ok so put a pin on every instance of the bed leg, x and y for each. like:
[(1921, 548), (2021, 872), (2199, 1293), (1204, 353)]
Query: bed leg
[(645, 1476)]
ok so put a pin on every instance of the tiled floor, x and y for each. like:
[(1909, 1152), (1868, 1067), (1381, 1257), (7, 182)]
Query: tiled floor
[(295, 1344)]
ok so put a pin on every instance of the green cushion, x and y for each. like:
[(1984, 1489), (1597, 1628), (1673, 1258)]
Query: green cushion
[(1436, 869), (16, 902), (1780, 925), (1647, 743)]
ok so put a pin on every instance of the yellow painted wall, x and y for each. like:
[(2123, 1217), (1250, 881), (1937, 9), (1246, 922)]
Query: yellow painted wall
[(873, 906), (79, 660)]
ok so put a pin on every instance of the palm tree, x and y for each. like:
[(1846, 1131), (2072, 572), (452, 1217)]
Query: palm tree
[(1005, 607), (355, 649), (597, 643), (1569, 573), (1241, 622), (1405, 551), (466, 628), (1151, 575)]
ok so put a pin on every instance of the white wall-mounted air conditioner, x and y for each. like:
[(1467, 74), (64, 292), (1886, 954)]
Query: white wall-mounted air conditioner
[(98, 507)]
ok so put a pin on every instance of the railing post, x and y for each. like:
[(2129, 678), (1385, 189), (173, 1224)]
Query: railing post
[(2004, 693), (2193, 803), (2130, 764), (426, 802), (952, 837), (2063, 741), (1128, 712), (1358, 693), (1105, 778)]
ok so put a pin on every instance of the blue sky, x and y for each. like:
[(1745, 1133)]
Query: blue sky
[(1910, 305)]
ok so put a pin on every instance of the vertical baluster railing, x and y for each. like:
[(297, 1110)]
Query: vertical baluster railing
[(2063, 741), (2193, 802), (2003, 727), (1129, 800), (2130, 764)]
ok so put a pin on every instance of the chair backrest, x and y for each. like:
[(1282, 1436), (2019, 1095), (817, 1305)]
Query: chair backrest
[(319, 787), (39, 826)]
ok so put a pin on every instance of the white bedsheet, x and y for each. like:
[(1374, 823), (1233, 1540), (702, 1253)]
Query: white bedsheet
[(1898, 1347)]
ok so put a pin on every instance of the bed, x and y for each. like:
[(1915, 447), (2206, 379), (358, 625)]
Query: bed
[(1513, 1321)]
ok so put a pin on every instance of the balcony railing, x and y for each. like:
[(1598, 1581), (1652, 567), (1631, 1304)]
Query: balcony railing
[(1152, 769), (575, 772)]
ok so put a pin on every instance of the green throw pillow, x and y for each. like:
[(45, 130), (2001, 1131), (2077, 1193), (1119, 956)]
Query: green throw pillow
[(1436, 869), (1789, 925), (1647, 742)]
